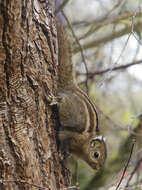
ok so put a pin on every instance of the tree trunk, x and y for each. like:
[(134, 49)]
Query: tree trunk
[(28, 74)]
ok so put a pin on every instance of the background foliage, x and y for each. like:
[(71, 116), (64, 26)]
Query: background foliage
[(107, 54)]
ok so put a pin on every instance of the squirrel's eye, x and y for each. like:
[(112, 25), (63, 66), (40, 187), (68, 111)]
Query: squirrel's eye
[(96, 154)]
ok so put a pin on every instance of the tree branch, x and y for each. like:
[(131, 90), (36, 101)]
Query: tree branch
[(92, 74), (95, 25), (126, 166), (109, 37)]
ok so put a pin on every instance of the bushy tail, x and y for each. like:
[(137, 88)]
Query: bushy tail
[(64, 58)]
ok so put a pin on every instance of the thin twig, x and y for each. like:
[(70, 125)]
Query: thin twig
[(133, 172), (109, 119), (139, 186), (91, 74), (81, 49), (116, 62), (133, 24), (102, 18), (131, 123), (100, 23), (95, 42), (116, 176), (125, 168), (132, 32), (60, 8)]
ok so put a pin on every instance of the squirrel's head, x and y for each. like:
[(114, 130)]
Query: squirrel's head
[(96, 152)]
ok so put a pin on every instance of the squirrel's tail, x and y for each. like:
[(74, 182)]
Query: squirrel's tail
[(64, 58)]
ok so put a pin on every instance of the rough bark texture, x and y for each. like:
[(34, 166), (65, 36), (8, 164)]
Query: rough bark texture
[(28, 74)]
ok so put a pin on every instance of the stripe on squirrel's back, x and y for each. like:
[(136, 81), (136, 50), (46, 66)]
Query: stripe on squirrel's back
[(92, 110)]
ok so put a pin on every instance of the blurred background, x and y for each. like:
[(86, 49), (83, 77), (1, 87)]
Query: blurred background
[(106, 46)]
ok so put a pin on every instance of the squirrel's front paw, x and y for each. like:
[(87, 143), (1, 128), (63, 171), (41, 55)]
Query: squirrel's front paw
[(53, 100)]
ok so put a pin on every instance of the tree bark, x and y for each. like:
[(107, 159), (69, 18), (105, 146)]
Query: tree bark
[(28, 74)]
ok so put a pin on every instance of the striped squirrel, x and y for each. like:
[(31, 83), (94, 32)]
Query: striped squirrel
[(79, 133)]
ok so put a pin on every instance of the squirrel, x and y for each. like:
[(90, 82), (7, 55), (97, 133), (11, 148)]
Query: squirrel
[(79, 133)]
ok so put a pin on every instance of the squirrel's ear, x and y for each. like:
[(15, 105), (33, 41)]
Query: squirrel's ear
[(98, 138), (93, 142)]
